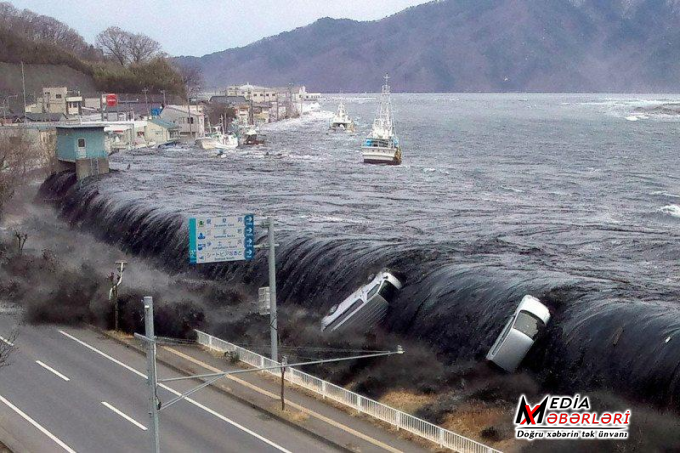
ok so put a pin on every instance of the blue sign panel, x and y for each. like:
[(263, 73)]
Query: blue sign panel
[(218, 239)]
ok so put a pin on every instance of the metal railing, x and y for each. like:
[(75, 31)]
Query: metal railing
[(390, 415)]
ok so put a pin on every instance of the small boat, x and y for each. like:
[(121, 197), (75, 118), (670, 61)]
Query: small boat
[(251, 138), (217, 140), (382, 145), (341, 121)]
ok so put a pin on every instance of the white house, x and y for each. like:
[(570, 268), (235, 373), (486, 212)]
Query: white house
[(190, 122), (160, 131)]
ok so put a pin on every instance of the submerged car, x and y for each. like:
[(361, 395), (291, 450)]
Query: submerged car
[(519, 334), (364, 308)]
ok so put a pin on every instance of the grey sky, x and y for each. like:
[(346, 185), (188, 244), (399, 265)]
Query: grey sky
[(197, 27)]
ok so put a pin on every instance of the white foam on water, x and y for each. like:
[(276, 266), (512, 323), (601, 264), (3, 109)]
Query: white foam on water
[(671, 210)]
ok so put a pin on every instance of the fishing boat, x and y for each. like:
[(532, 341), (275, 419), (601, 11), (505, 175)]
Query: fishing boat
[(382, 145), (341, 121), (250, 137), (217, 140)]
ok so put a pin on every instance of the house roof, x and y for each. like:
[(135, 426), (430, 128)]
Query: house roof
[(41, 117), (228, 100), (80, 126), (195, 110), (162, 123)]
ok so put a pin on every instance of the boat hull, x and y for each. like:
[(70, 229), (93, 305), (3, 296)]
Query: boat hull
[(381, 156)]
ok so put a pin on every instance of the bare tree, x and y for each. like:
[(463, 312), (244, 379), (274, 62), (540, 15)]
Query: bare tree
[(114, 42), (142, 48), (16, 160), (192, 78)]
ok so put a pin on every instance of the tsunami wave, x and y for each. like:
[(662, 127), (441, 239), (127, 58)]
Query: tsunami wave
[(604, 333)]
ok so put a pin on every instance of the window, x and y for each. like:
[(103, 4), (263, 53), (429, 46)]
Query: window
[(387, 291), (373, 290), (58, 96), (528, 324), (81, 143)]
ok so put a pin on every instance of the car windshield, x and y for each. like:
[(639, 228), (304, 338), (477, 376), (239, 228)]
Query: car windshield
[(387, 290), (528, 324)]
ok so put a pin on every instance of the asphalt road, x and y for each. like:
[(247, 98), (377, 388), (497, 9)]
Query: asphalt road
[(69, 389)]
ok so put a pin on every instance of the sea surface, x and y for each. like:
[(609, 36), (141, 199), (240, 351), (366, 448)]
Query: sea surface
[(572, 198)]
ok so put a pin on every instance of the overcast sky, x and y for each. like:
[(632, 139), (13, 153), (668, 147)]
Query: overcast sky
[(198, 27)]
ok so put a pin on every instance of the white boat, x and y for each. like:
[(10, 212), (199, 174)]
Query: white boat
[(251, 137), (341, 121), (382, 145), (217, 140)]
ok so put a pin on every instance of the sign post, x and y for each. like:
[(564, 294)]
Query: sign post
[(219, 239), (232, 238)]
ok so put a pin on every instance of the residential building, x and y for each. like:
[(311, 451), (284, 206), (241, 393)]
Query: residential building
[(161, 131), (60, 100), (265, 94), (261, 113), (256, 93), (190, 122), (82, 148)]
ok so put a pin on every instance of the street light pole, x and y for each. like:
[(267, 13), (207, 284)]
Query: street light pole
[(146, 102), (272, 290), (151, 373)]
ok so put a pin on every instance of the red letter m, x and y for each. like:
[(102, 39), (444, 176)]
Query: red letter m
[(532, 415)]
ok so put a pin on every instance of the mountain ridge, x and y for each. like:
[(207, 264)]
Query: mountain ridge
[(471, 46)]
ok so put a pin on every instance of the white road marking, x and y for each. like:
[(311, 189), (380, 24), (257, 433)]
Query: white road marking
[(37, 425), (126, 417), (5, 340), (49, 368), (174, 392)]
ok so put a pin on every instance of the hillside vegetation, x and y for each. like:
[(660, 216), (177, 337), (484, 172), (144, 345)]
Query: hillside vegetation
[(470, 46), (40, 40)]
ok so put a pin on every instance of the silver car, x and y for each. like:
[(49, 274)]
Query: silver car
[(363, 308), (519, 334)]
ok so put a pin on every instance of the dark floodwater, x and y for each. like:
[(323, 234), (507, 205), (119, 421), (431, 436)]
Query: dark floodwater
[(573, 198)]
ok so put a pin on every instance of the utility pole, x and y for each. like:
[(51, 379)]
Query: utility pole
[(113, 292), (189, 112), (164, 103), (146, 102), (273, 331), (23, 83), (151, 373), (284, 362)]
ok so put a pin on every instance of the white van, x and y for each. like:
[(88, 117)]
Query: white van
[(519, 334), (364, 308)]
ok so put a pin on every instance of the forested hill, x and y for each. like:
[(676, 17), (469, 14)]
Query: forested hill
[(472, 45), (55, 54)]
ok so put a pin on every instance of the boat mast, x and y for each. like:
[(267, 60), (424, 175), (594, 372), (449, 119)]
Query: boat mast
[(383, 122)]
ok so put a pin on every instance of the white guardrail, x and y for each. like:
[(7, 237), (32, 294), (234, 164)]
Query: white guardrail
[(396, 418)]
